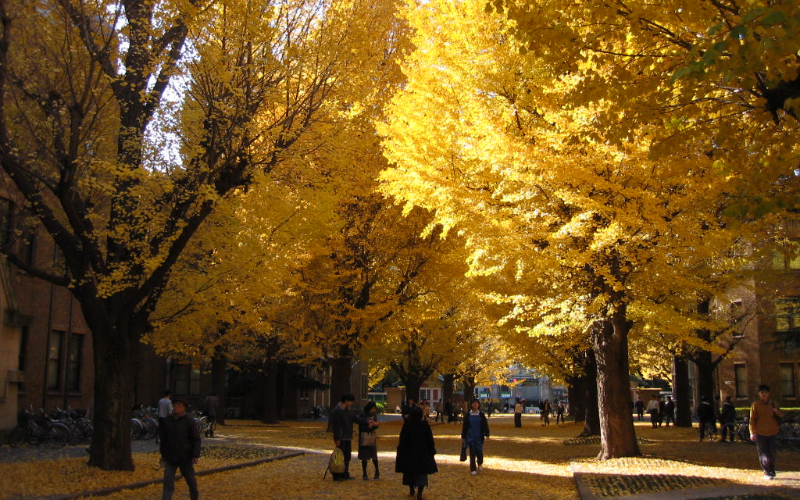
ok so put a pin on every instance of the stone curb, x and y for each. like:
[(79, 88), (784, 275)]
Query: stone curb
[(142, 484)]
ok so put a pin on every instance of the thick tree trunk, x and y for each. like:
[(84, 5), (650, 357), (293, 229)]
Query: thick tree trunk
[(705, 375), (576, 391), (447, 387), (617, 435), (591, 423), (114, 361), (413, 385), (680, 392), (269, 399), (219, 367), (341, 369), (583, 395), (469, 388)]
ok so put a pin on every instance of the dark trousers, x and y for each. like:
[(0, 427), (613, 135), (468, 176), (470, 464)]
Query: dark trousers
[(669, 417), (654, 418), (347, 451), (560, 416), (187, 471), (475, 455), (767, 447), (707, 426), (518, 420)]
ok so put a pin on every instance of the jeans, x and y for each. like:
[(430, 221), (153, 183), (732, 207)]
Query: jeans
[(518, 420), (475, 455), (187, 471), (767, 447)]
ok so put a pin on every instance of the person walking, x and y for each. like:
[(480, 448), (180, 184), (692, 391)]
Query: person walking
[(764, 415), (546, 408), (727, 415), (652, 410), (560, 412), (180, 449), (639, 408), (165, 406), (415, 453), (518, 414), (705, 418), (669, 411), (368, 439), (426, 410), (474, 431), (211, 407)]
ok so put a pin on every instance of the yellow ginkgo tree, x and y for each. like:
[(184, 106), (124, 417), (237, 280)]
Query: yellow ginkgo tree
[(124, 124), (582, 175)]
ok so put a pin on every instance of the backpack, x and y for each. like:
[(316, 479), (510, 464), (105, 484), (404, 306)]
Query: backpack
[(335, 463)]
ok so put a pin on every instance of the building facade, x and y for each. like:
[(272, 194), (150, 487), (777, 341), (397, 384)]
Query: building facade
[(768, 339)]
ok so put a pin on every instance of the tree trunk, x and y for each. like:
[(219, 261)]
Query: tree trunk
[(680, 390), (576, 392), (413, 385), (591, 424), (617, 435), (447, 387), (114, 361), (219, 367), (705, 375), (269, 400), (341, 369), (469, 388)]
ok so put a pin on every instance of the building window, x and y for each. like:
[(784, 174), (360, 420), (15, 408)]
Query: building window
[(54, 360), (740, 375), (74, 362), (736, 311), (787, 257), (787, 314), (23, 352), (187, 380), (6, 227), (788, 389)]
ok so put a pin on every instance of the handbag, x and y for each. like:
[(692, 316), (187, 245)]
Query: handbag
[(463, 457), (369, 439)]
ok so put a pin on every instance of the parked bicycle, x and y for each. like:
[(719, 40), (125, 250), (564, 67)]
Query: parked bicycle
[(143, 425), (35, 428)]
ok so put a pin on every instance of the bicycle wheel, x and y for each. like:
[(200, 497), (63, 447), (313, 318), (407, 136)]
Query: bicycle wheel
[(137, 429), (58, 435), (17, 437)]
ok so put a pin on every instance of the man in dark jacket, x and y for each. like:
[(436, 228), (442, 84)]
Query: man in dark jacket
[(727, 415), (705, 418), (180, 449)]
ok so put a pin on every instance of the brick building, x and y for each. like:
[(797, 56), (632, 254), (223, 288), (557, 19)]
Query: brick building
[(771, 308)]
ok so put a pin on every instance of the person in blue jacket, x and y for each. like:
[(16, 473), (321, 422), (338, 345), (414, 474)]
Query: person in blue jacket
[(474, 432)]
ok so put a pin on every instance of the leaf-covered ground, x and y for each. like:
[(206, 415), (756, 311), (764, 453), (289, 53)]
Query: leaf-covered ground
[(532, 462)]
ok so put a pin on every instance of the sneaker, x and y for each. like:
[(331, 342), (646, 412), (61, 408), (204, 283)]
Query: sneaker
[(480, 468), (364, 477), (377, 475), (474, 473), (769, 477)]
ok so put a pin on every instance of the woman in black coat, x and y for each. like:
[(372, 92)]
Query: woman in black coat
[(415, 453)]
